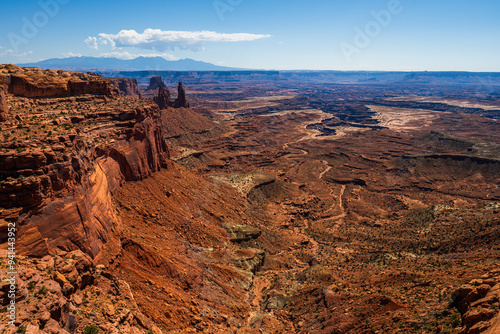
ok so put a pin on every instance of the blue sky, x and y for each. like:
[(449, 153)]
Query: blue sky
[(291, 34)]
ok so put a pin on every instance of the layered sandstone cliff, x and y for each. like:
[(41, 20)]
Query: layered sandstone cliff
[(59, 169), (64, 192), (34, 82), (63, 156), (127, 87)]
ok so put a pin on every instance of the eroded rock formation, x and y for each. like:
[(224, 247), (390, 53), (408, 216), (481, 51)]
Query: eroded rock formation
[(32, 82), (181, 101), (127, 87), (478, 304), (55, 292), (155, 83), (163, 98), (73, 198)]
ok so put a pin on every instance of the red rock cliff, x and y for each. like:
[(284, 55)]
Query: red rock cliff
[(60, 197), (3, 101), (33, 82), (127, 87)]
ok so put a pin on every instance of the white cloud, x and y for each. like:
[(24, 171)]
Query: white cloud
[(11, 52), (92, 42), (159, 40), (70, 54), (127, 55)]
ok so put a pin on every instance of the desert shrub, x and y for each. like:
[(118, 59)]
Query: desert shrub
[(91, 329), (421, 217)]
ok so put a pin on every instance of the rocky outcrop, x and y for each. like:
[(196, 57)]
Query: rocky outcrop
[(240, 233), (22, 86), (143, 151), (98, 87), (3, 101), (55, 292), (155, 83), (32, 82), (127, 87), (27, 87), (478, 302), (250, 259), (181, 101), (163, 98), (161, 95)]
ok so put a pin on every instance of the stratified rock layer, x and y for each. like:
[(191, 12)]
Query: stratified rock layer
[(58, 188), (127, 87), (33, 82)]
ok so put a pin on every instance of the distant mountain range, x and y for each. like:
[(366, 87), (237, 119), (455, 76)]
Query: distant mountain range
[(114, 64), (143, 68)]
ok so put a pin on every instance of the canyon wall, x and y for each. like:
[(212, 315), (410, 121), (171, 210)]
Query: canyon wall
[(71, 199), (22, 86), (3, 101), (58, 192), (37, 83), (127, 87)]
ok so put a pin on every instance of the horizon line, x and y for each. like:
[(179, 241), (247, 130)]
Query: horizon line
[(242, 69)]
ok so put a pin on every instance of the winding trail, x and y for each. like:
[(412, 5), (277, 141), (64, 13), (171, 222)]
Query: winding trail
[(341, 205), (308, 134), (327, 169), (334, 205)]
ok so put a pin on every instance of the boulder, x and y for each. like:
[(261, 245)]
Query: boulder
[(53, 327), (477, 315), (477, 301)]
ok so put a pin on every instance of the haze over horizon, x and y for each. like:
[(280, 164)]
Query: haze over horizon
[(385, 35)]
